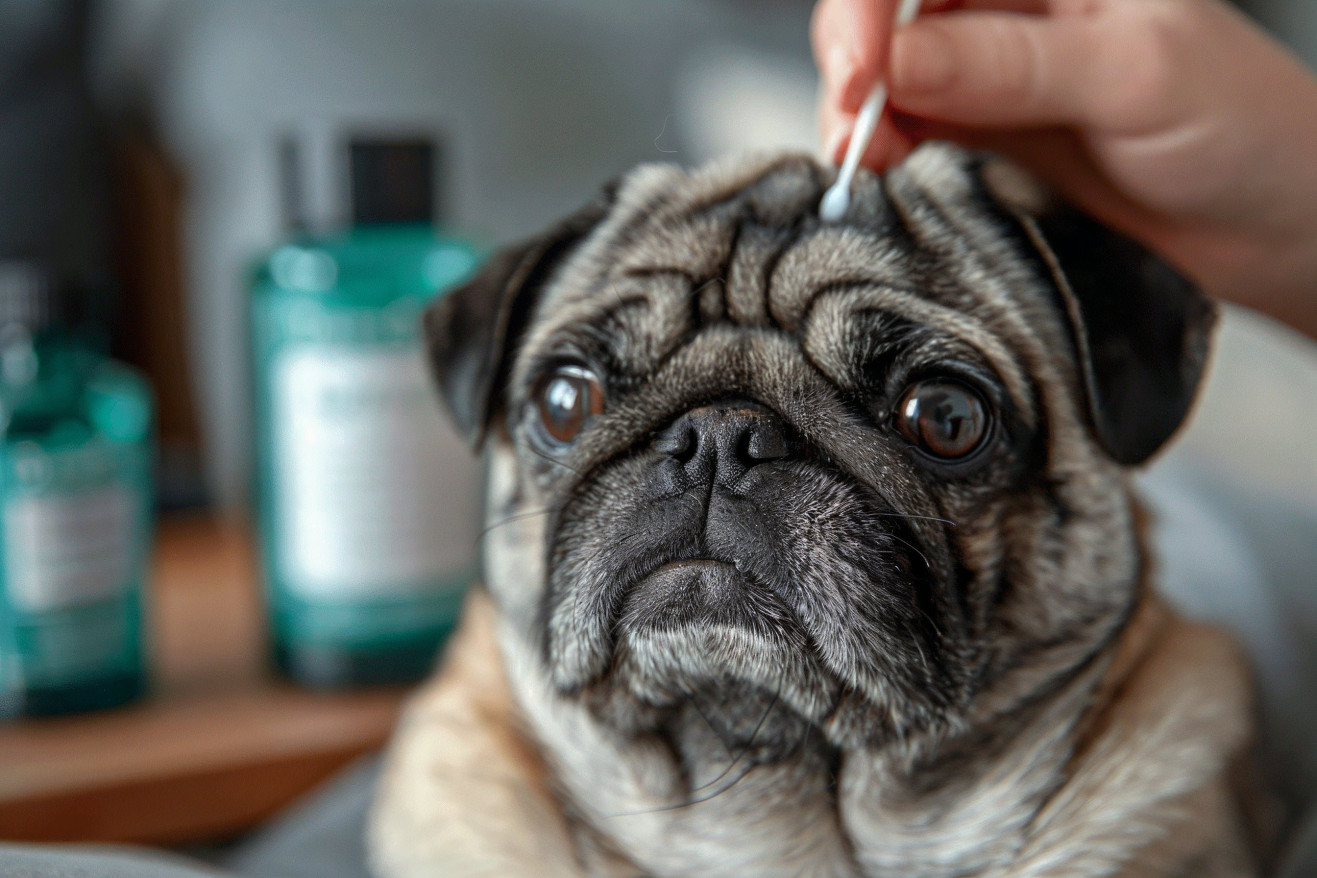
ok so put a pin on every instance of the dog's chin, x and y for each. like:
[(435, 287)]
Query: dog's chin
[(704, 632), (692, 625)]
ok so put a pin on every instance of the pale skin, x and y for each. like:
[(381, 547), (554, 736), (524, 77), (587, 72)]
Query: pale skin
[(1178, 122)]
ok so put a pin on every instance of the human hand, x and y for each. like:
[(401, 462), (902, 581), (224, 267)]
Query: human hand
[(1175, 121)]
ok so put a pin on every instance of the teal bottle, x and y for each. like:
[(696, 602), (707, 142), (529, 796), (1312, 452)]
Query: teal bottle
[(366, 500), (75, 491)]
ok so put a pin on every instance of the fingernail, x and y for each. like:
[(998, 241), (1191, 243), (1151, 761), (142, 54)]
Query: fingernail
[(923, 59), (832, 149)]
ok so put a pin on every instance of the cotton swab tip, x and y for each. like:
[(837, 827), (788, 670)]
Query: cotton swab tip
[(835, 202)]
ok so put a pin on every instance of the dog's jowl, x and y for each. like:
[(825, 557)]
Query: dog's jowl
[(812, 550)]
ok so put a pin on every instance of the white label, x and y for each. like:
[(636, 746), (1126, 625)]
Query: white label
[(375, 493), (65, 550)]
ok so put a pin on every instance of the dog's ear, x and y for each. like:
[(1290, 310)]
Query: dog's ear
[(1141, 329), (473, 331)]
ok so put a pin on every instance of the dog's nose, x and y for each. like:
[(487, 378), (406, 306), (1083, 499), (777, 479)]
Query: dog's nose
[(723, 441)]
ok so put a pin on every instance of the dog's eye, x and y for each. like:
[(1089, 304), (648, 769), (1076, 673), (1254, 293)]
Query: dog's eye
[(943, 418), (568, 397)]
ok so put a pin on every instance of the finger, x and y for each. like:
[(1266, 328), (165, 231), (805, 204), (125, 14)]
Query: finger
[(1026, 7), (834, 129), (832, 39), (870, 25), (853, 32), (892, 140), (850, 39), (1000, 69), (830, 45), (1058, 156)]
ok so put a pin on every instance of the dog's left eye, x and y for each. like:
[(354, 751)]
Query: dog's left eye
[(566, 399), (943, 418)]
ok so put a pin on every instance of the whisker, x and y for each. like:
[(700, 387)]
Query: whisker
[(484, 531), (946, 521), (749, 743), (676, 806), (922, 556), (553, 460), (914, 638), (715, 794), (696, 707)]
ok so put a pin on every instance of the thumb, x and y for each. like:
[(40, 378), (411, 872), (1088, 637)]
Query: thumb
[(1008, 70)]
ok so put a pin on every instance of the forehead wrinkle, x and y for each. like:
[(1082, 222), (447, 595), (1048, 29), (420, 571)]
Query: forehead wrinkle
[(830, 257), (725, 184), (986, 260), (745, 278), (823, 338), (924, 219), (641, 192), (697, 247), (565, 317), (699, 231)]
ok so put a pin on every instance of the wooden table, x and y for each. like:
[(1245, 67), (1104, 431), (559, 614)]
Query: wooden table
[(219, 745)]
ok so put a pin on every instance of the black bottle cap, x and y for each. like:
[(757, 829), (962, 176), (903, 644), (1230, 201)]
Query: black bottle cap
[(330, 181), (29, 295), (392, 181)]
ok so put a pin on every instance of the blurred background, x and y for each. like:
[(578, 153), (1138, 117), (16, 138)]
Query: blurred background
[(536, 103), (140, 156)]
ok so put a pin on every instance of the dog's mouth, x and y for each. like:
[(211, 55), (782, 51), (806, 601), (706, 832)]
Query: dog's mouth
[(701, 591), (689, 625)]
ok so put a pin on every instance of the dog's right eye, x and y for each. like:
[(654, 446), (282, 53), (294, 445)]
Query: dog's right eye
[(566, 399), (944, 419)]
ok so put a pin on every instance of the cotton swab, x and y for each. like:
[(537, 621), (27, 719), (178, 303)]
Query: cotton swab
[(837, 200)]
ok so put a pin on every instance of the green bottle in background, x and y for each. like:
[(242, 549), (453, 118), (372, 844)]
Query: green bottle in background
[(75, 507), (367, 501)]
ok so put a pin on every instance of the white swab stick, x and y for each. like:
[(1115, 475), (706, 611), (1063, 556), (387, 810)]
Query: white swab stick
[(837, 200)]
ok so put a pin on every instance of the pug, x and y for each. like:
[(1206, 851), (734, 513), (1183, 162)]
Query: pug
[(812, 548)]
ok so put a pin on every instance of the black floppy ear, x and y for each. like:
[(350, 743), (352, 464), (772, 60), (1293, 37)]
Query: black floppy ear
[(473, 331), (1141, 329)]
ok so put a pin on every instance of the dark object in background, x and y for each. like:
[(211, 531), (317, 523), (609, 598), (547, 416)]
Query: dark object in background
[(100, 209), (367, 501), (392, 182), (149, 320), (54, 176)]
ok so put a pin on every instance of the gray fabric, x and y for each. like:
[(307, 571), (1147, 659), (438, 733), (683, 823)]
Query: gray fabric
[(1302, 859), (323, 836), (86, 861), (1244, 558)]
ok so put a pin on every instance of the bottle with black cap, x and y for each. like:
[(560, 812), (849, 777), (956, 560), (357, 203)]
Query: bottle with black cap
[(367, 501), (75, 495)]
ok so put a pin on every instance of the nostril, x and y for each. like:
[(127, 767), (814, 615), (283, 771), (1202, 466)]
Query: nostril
[(764, 442), (680, 442)]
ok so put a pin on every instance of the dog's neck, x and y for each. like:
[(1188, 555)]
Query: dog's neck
[(682, 804)]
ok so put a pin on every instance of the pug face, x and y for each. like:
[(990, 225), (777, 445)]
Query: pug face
[(817, 487)]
